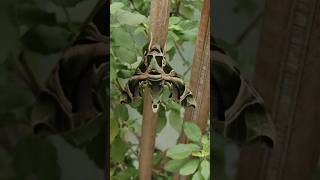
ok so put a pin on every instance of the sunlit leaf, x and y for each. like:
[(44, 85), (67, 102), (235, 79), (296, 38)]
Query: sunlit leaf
[(197, 176), (118, 149), (205, 169), (182, 151), (190, 167), (175, 164), (192, 131)]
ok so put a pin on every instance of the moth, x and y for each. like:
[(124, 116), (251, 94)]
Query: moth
[(155, 72)]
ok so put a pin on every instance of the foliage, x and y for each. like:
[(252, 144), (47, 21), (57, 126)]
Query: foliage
[(35, 36), (192, 158), (129, 38)]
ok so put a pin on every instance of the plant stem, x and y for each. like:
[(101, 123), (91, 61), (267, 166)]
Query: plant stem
[(147, 140), (159, 19), (185, 61), (200, 78)]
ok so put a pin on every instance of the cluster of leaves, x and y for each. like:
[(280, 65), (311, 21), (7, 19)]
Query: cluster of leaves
[(199, 149), (33, 36), (129, 38)]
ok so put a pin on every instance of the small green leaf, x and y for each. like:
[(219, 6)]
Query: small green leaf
[(182, 151), (197, 176), (162, 119), (206, 145), (156, 159), (114, 128), (192, 131), (175, 120), (128, 174), (174, 20), (118, 149), (175, 164), (129, 18), (189, 168), (115, 6), (121, 111), (186, 10), (205, 169)]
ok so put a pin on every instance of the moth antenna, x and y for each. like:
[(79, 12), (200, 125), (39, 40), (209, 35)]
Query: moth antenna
[(150, 43), (164, 51)]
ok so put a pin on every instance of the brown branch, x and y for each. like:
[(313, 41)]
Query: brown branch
[(159, 20), (159, 17), (200, 77), (147, 140)]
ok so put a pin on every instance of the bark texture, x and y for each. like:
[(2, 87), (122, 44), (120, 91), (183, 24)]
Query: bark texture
[(287, 77), (147, 140), (200, 77), (159, 17)]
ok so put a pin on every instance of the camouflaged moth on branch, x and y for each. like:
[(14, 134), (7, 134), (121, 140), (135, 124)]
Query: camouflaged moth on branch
[(155, 72)]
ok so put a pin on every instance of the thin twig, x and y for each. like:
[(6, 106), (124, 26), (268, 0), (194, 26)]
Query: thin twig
[(177, 7), (185, 61), (133, 5)]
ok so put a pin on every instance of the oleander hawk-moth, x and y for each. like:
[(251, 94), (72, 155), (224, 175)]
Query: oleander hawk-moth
[(156, 73)]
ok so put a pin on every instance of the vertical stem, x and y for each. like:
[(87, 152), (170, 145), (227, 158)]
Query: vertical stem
[(159, 18), (147, 140), (200, 77)]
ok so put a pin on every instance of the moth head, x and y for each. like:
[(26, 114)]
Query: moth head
[(155, 60)]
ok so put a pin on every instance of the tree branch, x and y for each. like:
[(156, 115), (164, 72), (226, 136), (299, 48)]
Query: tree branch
[(200, 77), (159, 18)]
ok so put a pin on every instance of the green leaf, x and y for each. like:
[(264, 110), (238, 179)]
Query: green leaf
[(186, 10), (66, 3), (205, 145), (174, 20), (182, 151), (114, 128), (192, 131), (124, 73), (128, 174), (118, 149), (197, 176), (205, 169), (157, 157), (162, 119), (190, 167), (129, 18), (115, 6), (175, 164), (121, 111), (47, 39), (175, 120)]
